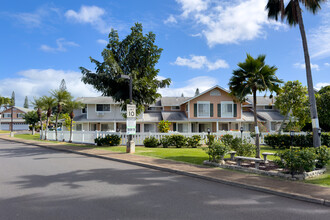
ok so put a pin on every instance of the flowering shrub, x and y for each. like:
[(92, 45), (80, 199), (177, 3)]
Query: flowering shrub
[(194, 141), (164, 126), (150, 142), (216, 151), (108, 140), (297, 161)]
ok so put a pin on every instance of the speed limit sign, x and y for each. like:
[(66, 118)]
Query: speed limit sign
[(131, 111)]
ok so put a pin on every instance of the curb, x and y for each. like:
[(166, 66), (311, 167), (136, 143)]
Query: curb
[(184, 173)]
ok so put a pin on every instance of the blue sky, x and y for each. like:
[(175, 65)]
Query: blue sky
[(203, 40)]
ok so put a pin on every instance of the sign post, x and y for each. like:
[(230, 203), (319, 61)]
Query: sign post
[(131, 127)]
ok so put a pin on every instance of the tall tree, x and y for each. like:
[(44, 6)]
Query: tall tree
[(293, 15), (61, 97), (197, 92), (13, 102), (135, 56), (48, 104), (39, 106), (62, 85), (26, 102), (323, 106), (293, 98), (70, 107), (254, 75), (4, 102), (31, 118)]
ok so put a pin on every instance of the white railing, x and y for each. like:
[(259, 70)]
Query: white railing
[(89, 136)]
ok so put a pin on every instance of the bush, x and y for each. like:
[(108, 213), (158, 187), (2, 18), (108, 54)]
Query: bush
[(164, 126), (178, 140), (108, 140), (227, 139), (166, 141), (325, 139), (297, 161), (150, 142), (243, 148), (322, 156), (216, 151), (210, 139), (194, 141)]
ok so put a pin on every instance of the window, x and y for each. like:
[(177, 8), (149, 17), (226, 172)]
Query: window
[(187, 107), (149, 128), (107, 127), (79, 127), (215, 92), (183, 127), (227, 109), (203, 109), (7, 115), (103, 107), (175, 107), (152, 108), (20, 115), (84, 110), (268, 107)]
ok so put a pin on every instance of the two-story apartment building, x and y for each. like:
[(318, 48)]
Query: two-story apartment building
[(212, 109), (18, 121)]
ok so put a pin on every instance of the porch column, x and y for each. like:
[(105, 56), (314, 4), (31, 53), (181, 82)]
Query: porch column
[(141, 128), (189, 127), (114, 126), (217, 126)]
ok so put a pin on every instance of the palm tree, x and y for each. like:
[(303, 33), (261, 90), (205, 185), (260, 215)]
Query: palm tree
[(252, 76), (70, 107), (39, 105), (292, 13), (48, 103), (61, 97)]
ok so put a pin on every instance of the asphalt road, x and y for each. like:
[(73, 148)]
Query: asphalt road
[(37, 183)]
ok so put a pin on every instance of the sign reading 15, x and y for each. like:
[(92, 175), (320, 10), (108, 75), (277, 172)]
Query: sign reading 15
[(131, 111)]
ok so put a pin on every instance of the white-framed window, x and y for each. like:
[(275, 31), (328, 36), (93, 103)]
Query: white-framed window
[(107, 127), (175, 107), (203, 109), (182, 127), (84, 110), (227, 109), (20, 115), (103, 108), (6, 115)]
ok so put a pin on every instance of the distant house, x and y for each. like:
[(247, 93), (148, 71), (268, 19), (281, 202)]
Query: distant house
[(18, 121), (212, 109)]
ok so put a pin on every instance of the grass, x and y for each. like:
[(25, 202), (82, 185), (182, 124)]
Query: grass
[(35, 137), (4, 132), (323, 180)]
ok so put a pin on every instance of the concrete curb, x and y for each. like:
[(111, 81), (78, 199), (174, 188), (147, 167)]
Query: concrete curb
[(184, 173)]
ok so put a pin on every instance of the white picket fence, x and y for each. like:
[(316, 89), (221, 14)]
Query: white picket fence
[(88, 137)]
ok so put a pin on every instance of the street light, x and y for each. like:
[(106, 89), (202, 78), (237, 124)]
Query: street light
[(319, 131), (242, 129), (291, 135), (208, 131)]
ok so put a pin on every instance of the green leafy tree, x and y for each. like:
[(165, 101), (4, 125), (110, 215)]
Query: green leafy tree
[(26, 102), (164, 126), (61, 97), (67, 121), (32, 119), (293, 98), (292, 13), (254, 75), (48, 104), (70, 107), (39, 105), (323, 106), (4, 102), (136, 56)]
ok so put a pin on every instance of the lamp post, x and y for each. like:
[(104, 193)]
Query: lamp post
[(291, 135), (319, 132), (242, 129), (208, 131)]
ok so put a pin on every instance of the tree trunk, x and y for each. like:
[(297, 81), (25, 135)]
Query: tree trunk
[(33, 130), (47, 121), (56, 126), (311, 96), (284, 119), (41, 128), (256, 122), (70, 141)]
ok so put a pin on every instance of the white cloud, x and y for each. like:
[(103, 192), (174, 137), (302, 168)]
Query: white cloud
[(196, 35), (320, 37), (227, 22), (199, 62), (326, 64), (303, 66), (89, 15), (102, 42), (170, 20), (37, 82), (320, 85), (202, 83), (61, 43)]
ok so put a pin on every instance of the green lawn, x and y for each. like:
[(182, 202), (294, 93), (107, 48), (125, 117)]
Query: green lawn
[(4, 132), (35, 137), (323, 180)]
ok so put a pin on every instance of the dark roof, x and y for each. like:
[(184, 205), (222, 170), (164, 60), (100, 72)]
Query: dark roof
[(270, 115), (174, 116), (261, 100), (249, 117)]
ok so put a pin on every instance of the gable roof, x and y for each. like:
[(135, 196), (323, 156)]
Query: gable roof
[(97, 100), (206, 91), (25, 110), (173, 101)]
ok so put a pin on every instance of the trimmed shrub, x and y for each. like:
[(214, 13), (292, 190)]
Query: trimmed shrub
[(150, 142), (243, 148), (216, 151), (297, 161), (325, 139), (194, 141), (227, 139), (178, 140), (166, 141), (108, 140), (322, 156)]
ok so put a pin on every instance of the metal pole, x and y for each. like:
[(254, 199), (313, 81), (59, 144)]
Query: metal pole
[(12, 122)]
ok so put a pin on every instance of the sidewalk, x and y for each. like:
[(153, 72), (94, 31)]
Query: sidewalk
[(290, 189)]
